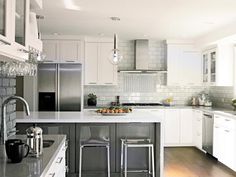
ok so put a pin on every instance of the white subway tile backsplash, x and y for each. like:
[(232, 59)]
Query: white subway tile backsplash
[(152, 89)]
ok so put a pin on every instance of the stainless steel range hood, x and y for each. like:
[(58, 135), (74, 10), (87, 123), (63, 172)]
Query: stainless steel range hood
[(141, 60)]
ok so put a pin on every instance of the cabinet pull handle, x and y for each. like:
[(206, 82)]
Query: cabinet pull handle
[(92, 83), (59, 160), (70, 61), (216, 127), (227, 131), (23, 50), (49, 61), (227, 120), (52, 174), (5, 42)]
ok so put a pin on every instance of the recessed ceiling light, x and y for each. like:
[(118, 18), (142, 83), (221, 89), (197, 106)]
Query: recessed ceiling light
[(55, 33), (145, 35), (115, 18), (69, 4)]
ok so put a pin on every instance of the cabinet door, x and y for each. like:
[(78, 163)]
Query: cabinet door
[(205, 77), (21, 21), (69, 51), (107, 72), (91, 63), (50, 50), (229, 151), (197, 128), (191, 68), (212, 57), (173, 65), (5, 19), (172, 127), (186, 126), (218, 137)]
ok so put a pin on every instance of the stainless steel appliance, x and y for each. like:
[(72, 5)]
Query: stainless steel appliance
[(35, 140), (207, 136), (60, 87)]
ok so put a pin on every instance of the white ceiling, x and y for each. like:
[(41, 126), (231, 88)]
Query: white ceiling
[(159, 19)]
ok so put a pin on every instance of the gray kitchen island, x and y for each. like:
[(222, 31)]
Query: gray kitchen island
[(138, 124)]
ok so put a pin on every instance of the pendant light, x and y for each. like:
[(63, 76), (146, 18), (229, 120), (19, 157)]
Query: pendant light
[(115, 55)]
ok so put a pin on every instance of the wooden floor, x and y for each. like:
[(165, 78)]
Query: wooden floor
[(191, 162)]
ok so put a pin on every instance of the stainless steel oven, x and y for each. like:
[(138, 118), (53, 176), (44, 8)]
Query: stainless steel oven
[(207, 135)]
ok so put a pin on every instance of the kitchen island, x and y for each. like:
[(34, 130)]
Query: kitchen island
[(138, 124), (31, 166)]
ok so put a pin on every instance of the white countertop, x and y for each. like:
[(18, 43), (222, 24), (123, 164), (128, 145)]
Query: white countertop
[(88, 116)]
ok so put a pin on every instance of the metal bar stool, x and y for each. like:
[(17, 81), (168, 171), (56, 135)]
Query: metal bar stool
[(137, 143), (95, 140)]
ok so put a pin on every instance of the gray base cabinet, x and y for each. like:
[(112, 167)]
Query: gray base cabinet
[(94, 159)]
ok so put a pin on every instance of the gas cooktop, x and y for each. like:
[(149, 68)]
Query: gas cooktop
[(142, 104)]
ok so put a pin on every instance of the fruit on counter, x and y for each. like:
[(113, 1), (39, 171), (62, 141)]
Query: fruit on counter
[(115, 109)]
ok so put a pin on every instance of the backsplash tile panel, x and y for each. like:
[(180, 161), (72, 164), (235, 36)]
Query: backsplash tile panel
[(221, 96), (8, 88)]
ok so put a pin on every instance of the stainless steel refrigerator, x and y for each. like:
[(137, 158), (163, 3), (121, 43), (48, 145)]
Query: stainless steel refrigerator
[(59, 87)]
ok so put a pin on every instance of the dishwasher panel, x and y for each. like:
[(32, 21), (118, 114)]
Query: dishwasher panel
[(207, 136)]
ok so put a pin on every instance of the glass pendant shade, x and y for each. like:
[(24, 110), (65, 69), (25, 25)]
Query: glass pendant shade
[(115, 55)]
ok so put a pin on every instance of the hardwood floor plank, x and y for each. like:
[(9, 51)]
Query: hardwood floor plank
[(191, 162)]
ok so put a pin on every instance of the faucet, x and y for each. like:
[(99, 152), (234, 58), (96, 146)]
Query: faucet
[(3, 137)]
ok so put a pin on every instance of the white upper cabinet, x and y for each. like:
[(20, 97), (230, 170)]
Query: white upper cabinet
[(107, 71), (218, 65), (98, 69), (62, 51), (50, 50), (91, 63), (15, 29), (69, 51), (21, 22), (184, 65)]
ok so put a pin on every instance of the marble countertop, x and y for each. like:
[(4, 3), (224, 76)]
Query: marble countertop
[(139, 114), (88, 116), (31, 166)]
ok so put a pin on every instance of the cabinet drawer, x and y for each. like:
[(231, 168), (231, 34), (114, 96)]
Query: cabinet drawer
[(229, 123), (58, 166)]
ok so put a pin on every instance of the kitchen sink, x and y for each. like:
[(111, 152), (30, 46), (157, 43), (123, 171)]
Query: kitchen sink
[(47, 143)]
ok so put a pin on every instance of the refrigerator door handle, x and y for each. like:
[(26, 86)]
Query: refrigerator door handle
[(58, 87)]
